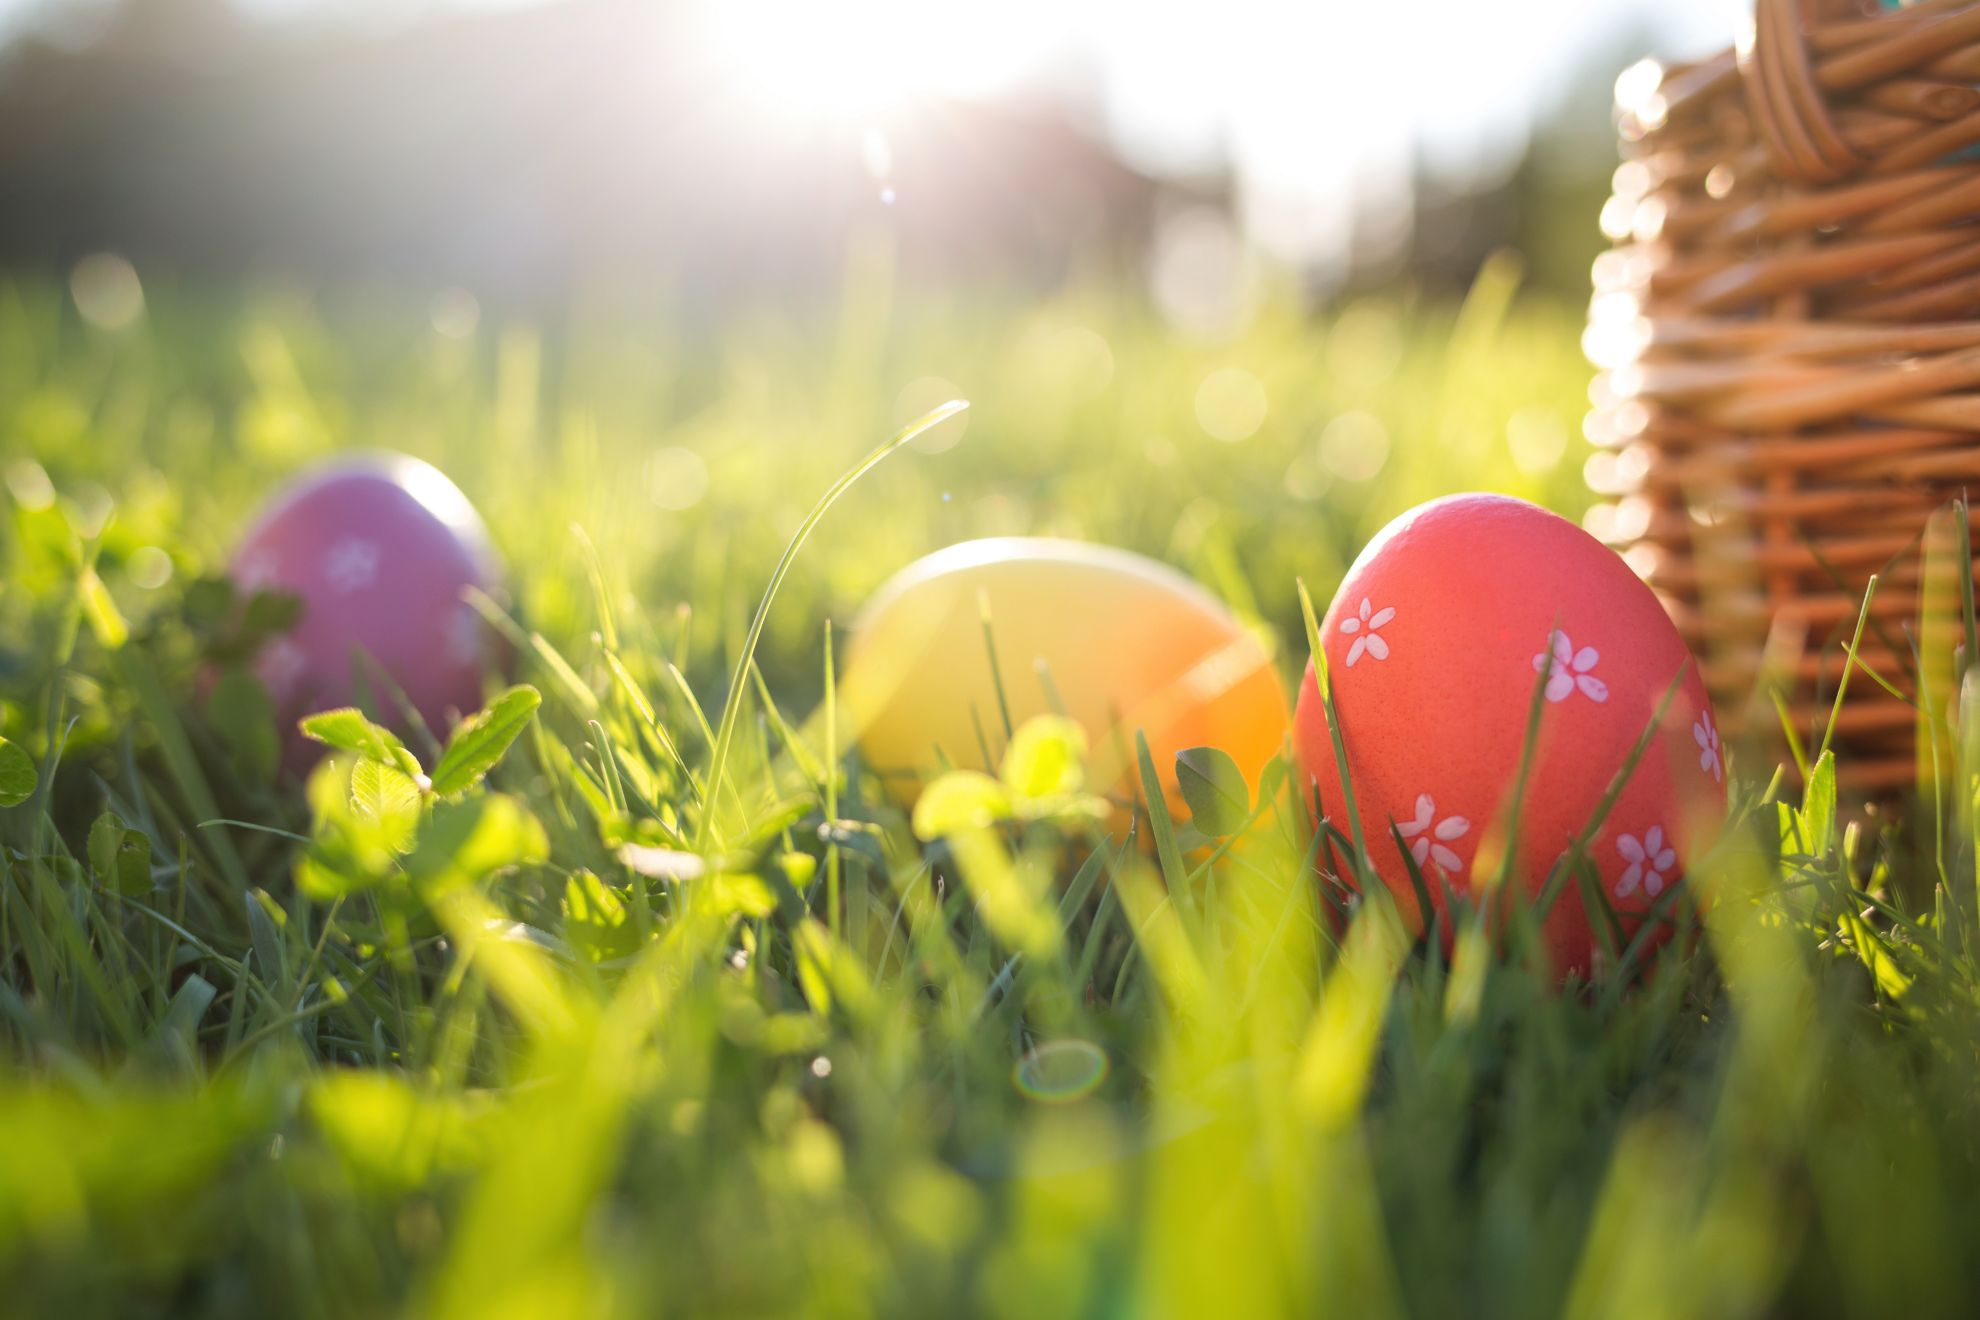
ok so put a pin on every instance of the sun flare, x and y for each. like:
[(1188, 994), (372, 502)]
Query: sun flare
[(861, 59)]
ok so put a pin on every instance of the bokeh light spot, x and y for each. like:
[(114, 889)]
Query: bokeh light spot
[(1201, 274), (920, 397), (1537, 438), (1059, 1072), (1637, 84), (454, 313), (677, 477), (28, 483), (107, 292), (1598, 470), (1305, 479), (1355, 445), (1231, 404), (1067, 360), (88, 509), (1365, 346), (150, 567), (878, 153)]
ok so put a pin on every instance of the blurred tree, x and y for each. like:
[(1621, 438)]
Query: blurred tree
[(512, 153)]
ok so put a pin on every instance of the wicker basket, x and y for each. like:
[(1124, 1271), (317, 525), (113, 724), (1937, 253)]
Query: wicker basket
[(1789, 391)]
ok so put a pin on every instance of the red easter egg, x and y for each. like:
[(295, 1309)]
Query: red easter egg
[(381, 549), (1435, 641)]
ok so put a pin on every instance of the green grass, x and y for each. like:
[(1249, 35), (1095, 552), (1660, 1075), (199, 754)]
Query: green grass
[(365, 1047)]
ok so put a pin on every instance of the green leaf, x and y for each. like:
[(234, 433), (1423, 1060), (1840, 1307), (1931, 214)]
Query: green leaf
[(1046, 758), (244, 717), (174, 1039), (269, 613), (106, 836), (800, 869), (1272, 778), (1213, 786), (960, 800), (120, 857), (270, 954), (323, 880), (1818, 805), (134, 864), (595, 918), (394, 1135), (829, 971), (1174, 874), (388, 796), (17, 776), (483, 739), (207, 602), (348, 730), (741, 895), (466, 841), (349, 850), (775, 819)]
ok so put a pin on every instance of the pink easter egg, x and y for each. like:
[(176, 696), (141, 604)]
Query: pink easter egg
[(1435, 643), (381, 549)]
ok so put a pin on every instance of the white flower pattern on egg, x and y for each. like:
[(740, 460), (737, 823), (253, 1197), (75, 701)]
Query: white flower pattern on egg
[(1569, 670), (464, 635), (352, 565), (282, 664), (1370, 641), (256, 572), (1431, 835), (1710, 756), (1651, 862)]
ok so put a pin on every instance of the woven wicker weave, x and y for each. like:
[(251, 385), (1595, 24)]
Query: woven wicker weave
[(1790, 355)]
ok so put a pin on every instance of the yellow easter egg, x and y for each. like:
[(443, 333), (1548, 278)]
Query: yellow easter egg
[(1116, 642)]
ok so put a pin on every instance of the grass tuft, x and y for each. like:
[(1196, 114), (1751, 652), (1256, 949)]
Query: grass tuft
[(601, 1006)]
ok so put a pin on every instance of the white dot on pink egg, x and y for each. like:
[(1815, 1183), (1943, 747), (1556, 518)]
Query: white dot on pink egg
[(381, 550)]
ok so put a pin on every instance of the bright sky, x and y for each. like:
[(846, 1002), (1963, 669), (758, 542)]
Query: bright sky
[(1320, 105)]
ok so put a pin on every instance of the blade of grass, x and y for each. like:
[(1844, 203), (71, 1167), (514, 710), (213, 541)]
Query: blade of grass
[(996, 670), (834, 921), (1326, 688), (1842, 684), (718, 765)]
